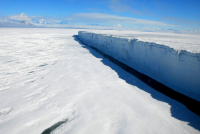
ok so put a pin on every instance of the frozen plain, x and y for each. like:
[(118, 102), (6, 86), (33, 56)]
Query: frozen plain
[(48, 76)]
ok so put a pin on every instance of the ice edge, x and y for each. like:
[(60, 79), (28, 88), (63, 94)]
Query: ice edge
[(177, 69)]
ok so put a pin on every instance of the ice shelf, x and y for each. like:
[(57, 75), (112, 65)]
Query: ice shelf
[(177, 69)]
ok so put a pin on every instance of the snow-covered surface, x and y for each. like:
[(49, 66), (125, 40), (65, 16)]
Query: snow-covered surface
[(171, 64), (47, 76), (179, 42)]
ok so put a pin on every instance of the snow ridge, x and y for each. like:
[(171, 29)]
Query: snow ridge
[(177, 69)]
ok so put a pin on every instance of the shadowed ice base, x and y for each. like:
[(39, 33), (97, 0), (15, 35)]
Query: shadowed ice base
[(157, 90)]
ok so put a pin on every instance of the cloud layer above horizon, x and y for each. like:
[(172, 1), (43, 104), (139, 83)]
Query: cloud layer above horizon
[(167, 14), (92, 19)]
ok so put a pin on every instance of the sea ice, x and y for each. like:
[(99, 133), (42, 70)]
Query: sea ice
[(79, 86)]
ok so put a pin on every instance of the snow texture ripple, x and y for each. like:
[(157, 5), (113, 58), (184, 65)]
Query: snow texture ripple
[(50, 82)]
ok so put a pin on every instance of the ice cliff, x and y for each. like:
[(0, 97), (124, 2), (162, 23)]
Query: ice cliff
[(177, 69)]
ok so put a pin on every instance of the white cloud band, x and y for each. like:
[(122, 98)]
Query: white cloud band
[(106, 18)]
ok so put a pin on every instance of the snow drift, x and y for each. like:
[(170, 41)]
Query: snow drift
[(177, 69)]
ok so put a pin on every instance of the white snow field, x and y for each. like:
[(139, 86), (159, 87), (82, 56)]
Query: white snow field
[(171, 59), (48, 76)]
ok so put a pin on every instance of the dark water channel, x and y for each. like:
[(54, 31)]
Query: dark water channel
[(53, 127)]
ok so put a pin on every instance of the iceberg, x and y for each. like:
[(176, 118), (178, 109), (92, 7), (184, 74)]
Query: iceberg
[(177, 69)]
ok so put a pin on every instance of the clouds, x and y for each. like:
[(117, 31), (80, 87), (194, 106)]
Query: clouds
[(20, 17), (183, 21), (80, 19), (118, 6), (23, 20), (113, 20), (94, 21), (19, 20), (126, 13)]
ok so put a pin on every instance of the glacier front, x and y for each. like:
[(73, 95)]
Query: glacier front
[(172, 66)]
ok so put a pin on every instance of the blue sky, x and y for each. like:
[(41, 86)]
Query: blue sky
[(168, 14)]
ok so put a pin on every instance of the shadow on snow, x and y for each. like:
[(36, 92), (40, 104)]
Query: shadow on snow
[(178, 110)]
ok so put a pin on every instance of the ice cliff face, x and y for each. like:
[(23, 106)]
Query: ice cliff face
[(179, 70)]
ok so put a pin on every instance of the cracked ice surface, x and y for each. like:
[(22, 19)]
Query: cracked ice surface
[(47, 76)]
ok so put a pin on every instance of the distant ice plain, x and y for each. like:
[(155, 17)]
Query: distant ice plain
[(47, 76)]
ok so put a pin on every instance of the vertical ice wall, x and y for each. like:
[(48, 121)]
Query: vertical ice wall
[(179, 70)]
